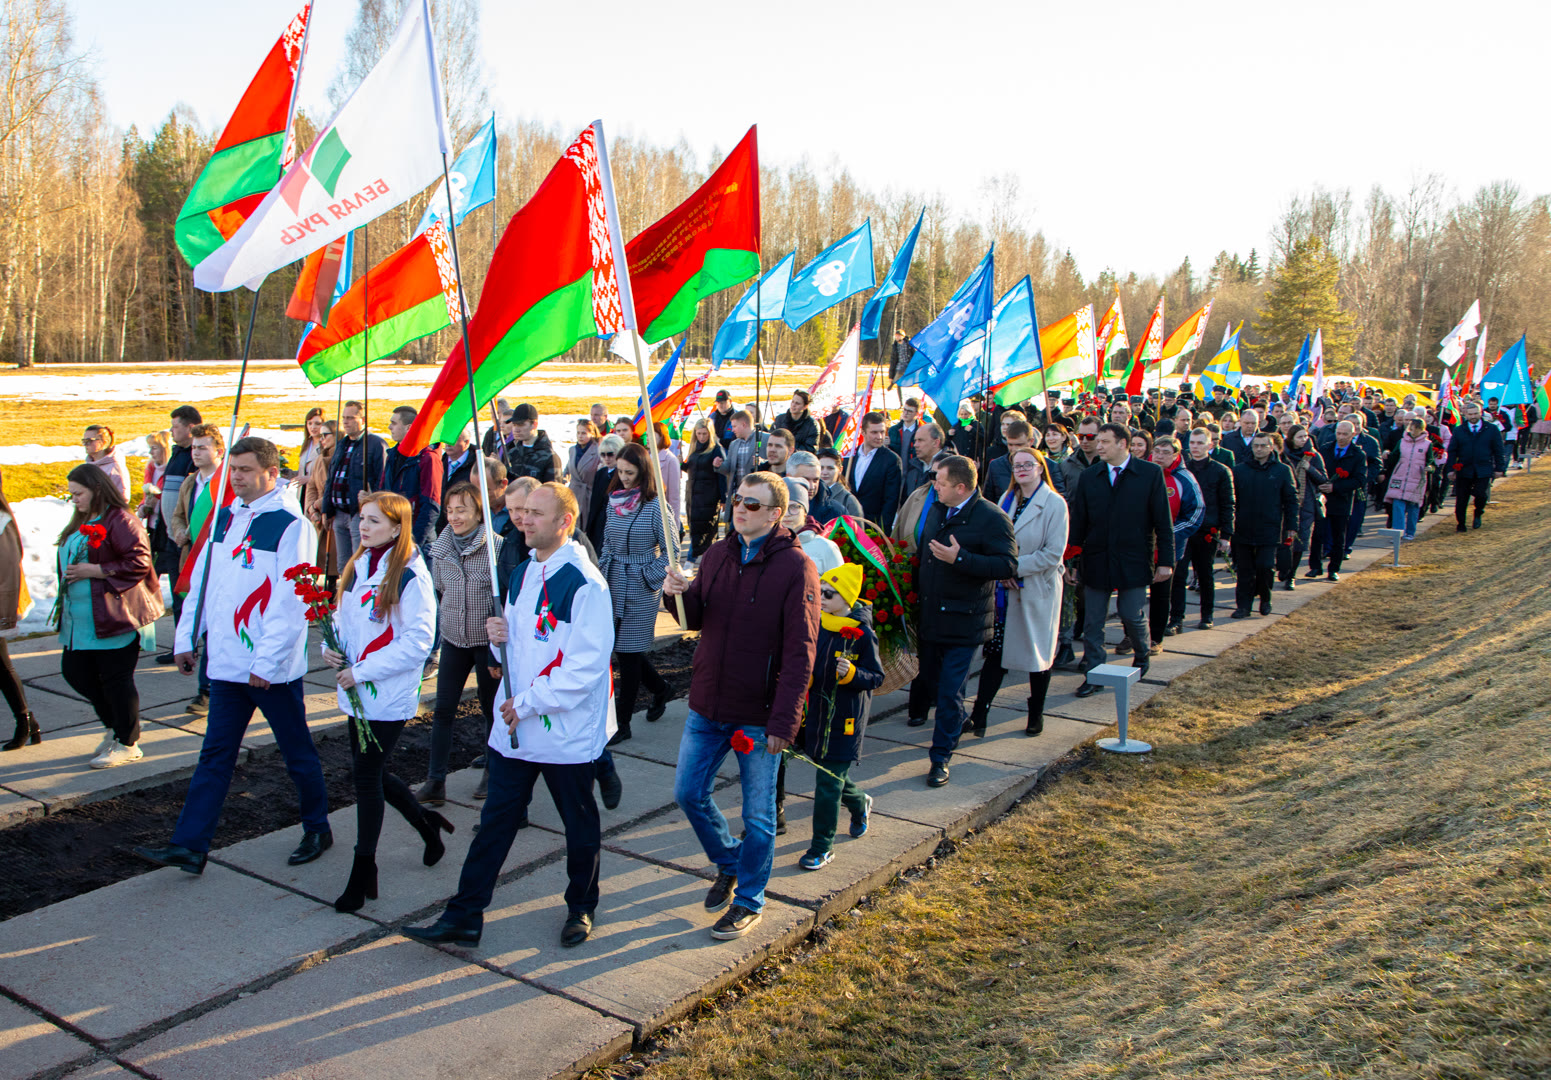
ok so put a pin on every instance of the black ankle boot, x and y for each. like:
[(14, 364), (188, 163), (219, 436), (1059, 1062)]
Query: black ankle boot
[(1036, 719), (27, 733), (977, 720), (362, 885), (431, 832)]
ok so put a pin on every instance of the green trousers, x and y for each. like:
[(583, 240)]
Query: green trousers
[(828, 793)]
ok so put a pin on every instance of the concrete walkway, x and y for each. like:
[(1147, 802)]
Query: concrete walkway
[(248, 971)]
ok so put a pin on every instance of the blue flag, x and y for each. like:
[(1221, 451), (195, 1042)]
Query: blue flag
[(661, 383), (736, 336), (472, 177), (1015, 347), (894, 284), (843, 269), (341, 284), (1300, 369), (967, 309), (1508, 381)]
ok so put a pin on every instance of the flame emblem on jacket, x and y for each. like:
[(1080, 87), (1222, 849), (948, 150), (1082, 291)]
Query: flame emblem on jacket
[(259, 599)]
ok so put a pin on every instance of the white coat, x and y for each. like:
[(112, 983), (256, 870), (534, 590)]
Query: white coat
[(389, 653), (1034, 611)]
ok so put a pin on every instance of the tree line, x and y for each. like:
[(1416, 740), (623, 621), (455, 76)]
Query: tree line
[(89, 271)]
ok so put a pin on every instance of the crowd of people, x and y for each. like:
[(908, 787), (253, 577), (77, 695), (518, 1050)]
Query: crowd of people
[(1019, 524)]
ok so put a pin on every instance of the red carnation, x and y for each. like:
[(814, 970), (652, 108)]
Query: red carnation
[(851, 633), (742, 743), (1459, 466), (898, 610), (95, 535), (910, 598)]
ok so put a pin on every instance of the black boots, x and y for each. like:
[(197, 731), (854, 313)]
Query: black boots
[(362, 885), (431, 832), (27, 733)]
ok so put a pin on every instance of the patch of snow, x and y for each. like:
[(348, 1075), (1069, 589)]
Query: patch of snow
[(36, 454)]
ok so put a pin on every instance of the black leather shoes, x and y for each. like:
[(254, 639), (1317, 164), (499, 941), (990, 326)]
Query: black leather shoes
[(1088, 689), (1265, 605), (165, 658), (610, 787), (313, 844), (442, 932), (185, 859), (577, 929), (1241, 613), (655, 711), (938, 776), (916, 721), (1332, 576)]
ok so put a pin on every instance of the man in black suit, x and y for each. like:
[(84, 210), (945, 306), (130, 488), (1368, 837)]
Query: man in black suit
[(1346, 465), (969, 547), (873, 473), (1122, 526), (1237, 442), (924, 447), (1476, 455), (902, 435)]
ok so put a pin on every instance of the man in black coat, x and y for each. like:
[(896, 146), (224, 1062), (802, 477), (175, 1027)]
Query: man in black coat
[(925, 445), (1476, 455), (529, 452), (1236, 442), (1122, 525), (1346, 466), (458, 461), (903, 434), (1217, 518), (800, 422), (879, 469), (969, 547), (1265, 517)]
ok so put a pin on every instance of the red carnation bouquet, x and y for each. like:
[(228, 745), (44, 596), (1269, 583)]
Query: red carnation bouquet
[(95, 535), (320, 610), (888, 582)]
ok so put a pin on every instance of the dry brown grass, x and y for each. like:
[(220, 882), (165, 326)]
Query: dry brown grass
[(1335, 864)]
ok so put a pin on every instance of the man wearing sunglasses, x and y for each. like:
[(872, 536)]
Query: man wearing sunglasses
[(755, 602)]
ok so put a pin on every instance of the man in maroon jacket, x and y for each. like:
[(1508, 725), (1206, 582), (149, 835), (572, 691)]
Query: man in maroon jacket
[(755, 602)]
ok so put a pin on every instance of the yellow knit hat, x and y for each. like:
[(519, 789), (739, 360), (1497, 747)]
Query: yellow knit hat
[(845, 579)]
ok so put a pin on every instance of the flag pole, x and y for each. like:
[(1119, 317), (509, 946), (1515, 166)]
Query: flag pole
[(670, 545), (366, 356), (479, 454), (226, 460)]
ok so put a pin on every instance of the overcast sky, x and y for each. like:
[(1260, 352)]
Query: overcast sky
[(1141, 132)]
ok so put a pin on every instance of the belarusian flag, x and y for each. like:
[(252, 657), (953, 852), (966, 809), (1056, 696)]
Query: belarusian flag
[(199, 517), (835, 388), (708, 243), (1186, 338), (850, 438), (383, 147), (551, 283), (1543, 396), (1067, 346), (1111, 335), (413, 293), (256, 144), (1150, 352), (313, 297)]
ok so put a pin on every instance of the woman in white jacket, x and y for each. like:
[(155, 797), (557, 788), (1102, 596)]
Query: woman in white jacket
[(386, 620)]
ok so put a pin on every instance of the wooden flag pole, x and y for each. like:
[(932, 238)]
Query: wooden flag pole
[(670, 544), (484, 481)]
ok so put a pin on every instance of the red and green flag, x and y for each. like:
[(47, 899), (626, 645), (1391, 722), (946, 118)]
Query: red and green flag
[(708, 243), (413, 293), (199, 519), (254, 148), (1149, 352), (551, 283), (1542, 394)]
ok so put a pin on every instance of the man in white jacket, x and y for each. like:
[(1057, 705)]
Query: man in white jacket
[(555, 721), (255, 631)]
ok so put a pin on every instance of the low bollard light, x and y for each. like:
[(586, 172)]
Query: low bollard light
[(1120, 678)]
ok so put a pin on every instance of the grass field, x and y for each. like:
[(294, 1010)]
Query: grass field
[(1335, 864)]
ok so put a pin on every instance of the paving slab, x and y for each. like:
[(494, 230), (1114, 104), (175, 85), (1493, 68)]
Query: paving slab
[(1005, 740), (30, 1044), (56, 773), (158, 686), (56, 711), (405, 885), (894, 774), (103, 1070), (648, 789), (15, 808), (659, 741), (650, 959), (195, 938), (392, 1009), (1214, 642), (1170, 665)]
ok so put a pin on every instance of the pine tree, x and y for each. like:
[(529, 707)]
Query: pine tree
[(1252, 268), (1303, 296)]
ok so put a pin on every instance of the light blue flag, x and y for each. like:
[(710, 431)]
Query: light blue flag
[(1224, 370), (843, 269), (736, 336), (472, 177), (1300, 369), (1508, 381), (341, 283), (967, 310), (894, 284), (1015, 348)]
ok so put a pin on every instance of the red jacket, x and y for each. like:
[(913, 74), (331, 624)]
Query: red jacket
[(759, 626)]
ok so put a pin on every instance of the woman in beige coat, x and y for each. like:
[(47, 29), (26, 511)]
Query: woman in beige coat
[(1028, 608)]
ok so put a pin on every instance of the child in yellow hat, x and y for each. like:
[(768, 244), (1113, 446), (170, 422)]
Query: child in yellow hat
[(845, 673)]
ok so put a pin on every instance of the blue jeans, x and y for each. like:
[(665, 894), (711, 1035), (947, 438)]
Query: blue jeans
[(231, 707), (701, 750), (947, 670), (1403, 515)]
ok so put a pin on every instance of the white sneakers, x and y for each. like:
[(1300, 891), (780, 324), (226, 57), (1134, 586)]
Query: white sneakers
[(117, 754), (107, 744)]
